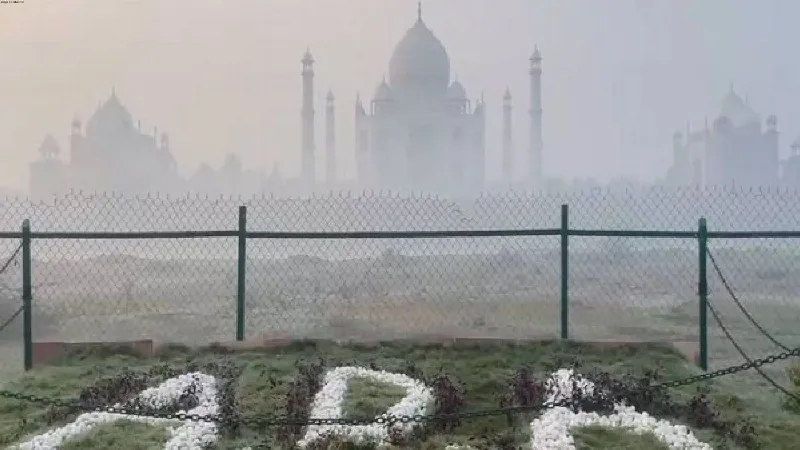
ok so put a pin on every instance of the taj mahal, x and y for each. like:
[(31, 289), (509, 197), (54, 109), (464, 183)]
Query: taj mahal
[(421, 130)]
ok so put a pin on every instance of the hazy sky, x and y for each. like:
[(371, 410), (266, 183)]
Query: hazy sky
[(620, 76)]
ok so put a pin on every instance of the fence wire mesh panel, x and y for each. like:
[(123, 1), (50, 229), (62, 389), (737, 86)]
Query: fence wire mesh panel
[(763, 276), (727, 209), (175, 290), (648, 208), (78, 212), (10, 303), (629, 289), (380, 289), (366, 213)]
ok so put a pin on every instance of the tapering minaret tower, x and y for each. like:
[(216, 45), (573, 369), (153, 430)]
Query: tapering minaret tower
[(508, 151), (362, 142), (308, 166), (536, 144), (330, 139)]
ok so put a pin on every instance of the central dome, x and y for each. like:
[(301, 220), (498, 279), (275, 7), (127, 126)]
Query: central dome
[(738, 112), (112, 116), (420, 61)]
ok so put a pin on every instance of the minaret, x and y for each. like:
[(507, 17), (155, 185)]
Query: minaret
[(308, 166), (330, 139), (362, 146), (536, 143), (508, 152)]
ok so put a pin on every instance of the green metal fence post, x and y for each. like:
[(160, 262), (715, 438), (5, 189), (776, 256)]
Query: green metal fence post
[(702, 241), (564, 271), (27, 296), (240, 272)]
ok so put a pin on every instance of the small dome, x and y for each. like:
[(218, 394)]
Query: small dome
[(383, 92), (537, 55), (772, 122), (723, 123), (457, 91), (737, 111), (232, 164), (49, 146), (307, 57), (420, 61)]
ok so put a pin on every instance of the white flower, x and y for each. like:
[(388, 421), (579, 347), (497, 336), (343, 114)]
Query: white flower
[(551, 431), (184, 435), (562, 383), (328, 405)]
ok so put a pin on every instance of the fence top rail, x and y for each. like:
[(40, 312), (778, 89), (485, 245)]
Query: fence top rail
[(754, 234), (402, 234), (133, 235), (632, 233)]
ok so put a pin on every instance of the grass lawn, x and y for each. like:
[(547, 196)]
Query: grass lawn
[(598, 437), (122, 434), (484, 373)]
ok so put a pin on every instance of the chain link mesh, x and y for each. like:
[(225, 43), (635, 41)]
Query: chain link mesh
[(185, 289), (181, 291), (645, 209)]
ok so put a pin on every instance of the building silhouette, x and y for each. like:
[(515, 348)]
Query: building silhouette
[(791, 166), (111, 154), (735, 150), (421, 131)]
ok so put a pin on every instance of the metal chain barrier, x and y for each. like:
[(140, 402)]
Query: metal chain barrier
[(8, 321), (752, 320), (3, 268), (11, 259), (727, 285)]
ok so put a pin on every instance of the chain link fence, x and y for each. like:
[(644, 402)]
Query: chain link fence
[(102, 286), (11, 346)]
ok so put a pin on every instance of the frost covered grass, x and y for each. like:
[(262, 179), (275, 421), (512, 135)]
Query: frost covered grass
[(123, 434), (366, 397), (600, 437), (271, 382)]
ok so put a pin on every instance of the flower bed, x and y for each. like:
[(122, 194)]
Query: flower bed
[(552, 430), (328, 404), (443, 381), (184, 435)]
